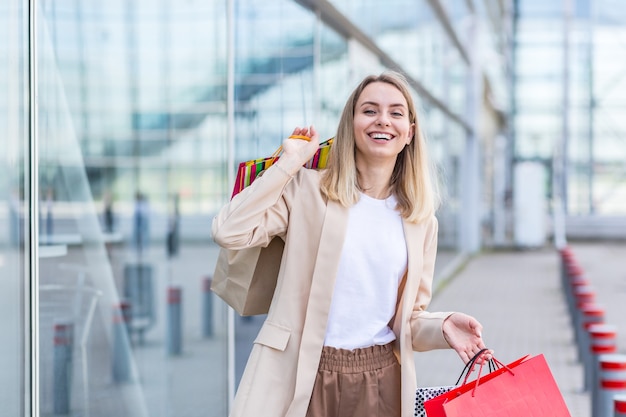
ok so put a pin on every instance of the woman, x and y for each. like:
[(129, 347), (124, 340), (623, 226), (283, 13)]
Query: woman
[(356, 275)]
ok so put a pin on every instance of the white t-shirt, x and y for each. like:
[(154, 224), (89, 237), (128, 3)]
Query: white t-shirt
[(372, 263)]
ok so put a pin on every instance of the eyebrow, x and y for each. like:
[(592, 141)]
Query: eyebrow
[(370, 103)]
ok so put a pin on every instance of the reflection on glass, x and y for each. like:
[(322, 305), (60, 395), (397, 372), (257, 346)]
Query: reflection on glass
[(14, 177), (131, 110)]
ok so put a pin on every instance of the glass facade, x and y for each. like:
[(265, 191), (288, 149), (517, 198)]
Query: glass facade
[(569, 93), (122, 125), (15, 215)]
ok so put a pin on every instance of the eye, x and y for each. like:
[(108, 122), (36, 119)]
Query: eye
[(369, 111), (397, 114)]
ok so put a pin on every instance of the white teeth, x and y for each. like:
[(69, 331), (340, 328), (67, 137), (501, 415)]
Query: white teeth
[(381, 136)]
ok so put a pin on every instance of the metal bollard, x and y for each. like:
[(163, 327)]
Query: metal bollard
[(574, 283), (611, 382), (584, 295), (174, 321), (62, 379), (589, 314), (602, 340), (207, 307), (567, 257), (619, 406), (569, 265), (121, 342)]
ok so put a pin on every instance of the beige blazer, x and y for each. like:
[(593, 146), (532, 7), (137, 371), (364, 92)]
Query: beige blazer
[(280, 373)]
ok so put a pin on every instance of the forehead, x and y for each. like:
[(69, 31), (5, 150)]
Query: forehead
[(380, 92)]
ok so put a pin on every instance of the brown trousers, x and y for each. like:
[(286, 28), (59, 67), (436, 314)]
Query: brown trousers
[(357, 383)]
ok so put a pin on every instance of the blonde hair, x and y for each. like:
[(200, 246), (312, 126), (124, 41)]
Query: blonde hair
[(412, 178)]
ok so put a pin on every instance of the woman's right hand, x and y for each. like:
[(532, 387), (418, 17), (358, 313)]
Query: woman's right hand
[(296, 152)]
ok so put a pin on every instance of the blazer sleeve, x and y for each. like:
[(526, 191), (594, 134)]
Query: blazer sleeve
[(427, 327), (256, 214)]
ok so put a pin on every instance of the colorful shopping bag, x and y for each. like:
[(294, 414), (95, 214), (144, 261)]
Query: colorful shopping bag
[(424, 394), (522, 388), (248, 171)]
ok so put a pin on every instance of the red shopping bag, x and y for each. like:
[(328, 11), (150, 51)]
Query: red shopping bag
[(523, 388), (434, 406)]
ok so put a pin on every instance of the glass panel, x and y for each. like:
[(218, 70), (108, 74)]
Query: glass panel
[(534, 8), (14, 131), (334, 70), (445, 141), (606, 175), (274, 74), (132, 151)]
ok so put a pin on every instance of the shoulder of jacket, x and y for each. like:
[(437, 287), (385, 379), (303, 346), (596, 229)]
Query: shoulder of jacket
[(306, 179)]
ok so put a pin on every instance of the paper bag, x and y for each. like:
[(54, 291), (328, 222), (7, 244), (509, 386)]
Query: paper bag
[(246, 279)]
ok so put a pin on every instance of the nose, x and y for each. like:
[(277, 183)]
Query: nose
[(383, 119)]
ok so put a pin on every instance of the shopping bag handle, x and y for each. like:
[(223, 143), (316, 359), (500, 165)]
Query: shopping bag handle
[(493, 365), (469, 367), (303, 137), (278, 151)]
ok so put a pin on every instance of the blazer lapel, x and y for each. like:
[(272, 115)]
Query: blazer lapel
[(414, 235), (322, 286)]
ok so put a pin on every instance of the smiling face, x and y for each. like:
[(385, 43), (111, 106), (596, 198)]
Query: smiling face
[(382, 127)]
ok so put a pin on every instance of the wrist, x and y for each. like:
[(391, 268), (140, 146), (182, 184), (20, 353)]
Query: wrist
[(288, 166)]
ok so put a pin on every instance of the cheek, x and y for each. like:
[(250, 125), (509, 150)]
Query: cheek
[(359, 123)]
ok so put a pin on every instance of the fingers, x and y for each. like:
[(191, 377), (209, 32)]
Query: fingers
[(300, 131), (310, 132), (464, 334), (313, 133), (475, 326)]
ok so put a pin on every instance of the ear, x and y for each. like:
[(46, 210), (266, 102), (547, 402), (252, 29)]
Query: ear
[(411, 134)]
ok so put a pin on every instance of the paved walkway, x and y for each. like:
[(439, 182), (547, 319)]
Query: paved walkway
[(515, 294), (517, 297)]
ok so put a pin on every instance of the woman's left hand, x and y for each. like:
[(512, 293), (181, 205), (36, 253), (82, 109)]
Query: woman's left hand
[(464, 334)]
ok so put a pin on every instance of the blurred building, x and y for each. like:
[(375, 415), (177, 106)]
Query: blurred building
[(122, 124)]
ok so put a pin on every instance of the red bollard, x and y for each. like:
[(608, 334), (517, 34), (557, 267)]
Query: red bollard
[(121, 356), (207, 307), (584, 295), (174, 320), (602, 339), (573, 284), (619, 403), (611, 382), (574, 269), (62, 377), (589, 314), (567, 257)]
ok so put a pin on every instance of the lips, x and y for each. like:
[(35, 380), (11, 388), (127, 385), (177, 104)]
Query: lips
[(381, 136)]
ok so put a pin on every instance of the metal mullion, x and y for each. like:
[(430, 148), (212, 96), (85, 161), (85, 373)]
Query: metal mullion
[(230, 117), (443, 18), (31, 332)]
